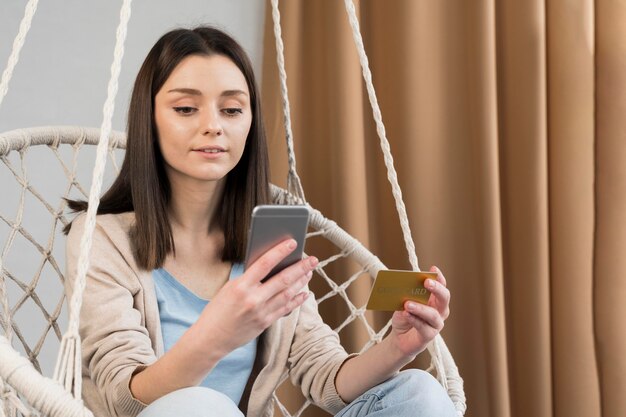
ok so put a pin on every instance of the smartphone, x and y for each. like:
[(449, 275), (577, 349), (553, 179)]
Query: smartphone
[(270, 225)]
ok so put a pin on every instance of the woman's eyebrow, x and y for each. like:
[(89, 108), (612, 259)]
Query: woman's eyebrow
[(230, 93), (194, 92), (190, 91)]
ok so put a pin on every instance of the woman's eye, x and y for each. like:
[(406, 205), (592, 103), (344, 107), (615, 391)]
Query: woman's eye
[(185, 110), (233, 111)]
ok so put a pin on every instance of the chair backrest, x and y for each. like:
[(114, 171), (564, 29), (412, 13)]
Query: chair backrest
[(34, 180)]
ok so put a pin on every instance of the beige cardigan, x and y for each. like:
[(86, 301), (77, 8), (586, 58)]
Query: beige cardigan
[(121, 332)]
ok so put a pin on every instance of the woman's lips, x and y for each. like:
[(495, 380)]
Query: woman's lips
[(212, 153)]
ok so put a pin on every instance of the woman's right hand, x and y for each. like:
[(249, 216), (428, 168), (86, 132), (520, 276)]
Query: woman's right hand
[(238, 313), (243, 308)]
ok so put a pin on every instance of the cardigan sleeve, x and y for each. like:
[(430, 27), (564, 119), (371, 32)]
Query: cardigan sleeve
[(315, 358), (115, 341)]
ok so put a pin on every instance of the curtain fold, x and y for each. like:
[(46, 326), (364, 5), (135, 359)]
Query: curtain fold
[(570, 56), (609, 289), (505, 123), (522, 137)]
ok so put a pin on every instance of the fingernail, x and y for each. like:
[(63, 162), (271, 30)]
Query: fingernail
[(411, 306), (291, 244), (313, 261), (431, 284)]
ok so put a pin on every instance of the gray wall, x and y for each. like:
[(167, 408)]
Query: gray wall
[(65, 63), (61, 79)]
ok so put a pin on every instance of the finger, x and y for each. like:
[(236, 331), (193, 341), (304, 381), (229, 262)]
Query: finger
[(283, 295), (426, 313), (293, 304), (264, 265), (291, 275), (422, 327), (441, 294), (440, 276)]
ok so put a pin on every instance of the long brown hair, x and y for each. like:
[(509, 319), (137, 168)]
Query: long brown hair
[(142, 185)]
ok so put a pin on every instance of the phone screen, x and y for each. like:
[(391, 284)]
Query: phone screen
[(270, 225)]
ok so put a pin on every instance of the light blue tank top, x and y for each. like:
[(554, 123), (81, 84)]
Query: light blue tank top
[(179, 308)]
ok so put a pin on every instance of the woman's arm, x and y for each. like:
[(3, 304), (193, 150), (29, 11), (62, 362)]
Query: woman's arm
[(374, 366), (186, 364), (115, 340), (412, 329)]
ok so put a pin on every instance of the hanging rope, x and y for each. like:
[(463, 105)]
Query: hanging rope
[(380, 129), (68, 367), (453, 384), (31, 8), (294, 185)]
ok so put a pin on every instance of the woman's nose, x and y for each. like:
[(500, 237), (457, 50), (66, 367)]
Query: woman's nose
[(211, 125), (213, 132)]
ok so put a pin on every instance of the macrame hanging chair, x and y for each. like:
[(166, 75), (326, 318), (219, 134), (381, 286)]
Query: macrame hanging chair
[(23, 389)]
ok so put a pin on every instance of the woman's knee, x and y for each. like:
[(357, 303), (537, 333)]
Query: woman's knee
[(418, 377), (423, 391), (192, 402)]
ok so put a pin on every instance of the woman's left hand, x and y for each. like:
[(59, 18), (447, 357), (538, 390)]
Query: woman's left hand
[(418, 324)]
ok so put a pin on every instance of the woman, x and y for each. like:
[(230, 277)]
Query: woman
[(170, 236)]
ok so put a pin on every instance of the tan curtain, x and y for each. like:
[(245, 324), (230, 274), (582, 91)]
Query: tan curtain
[(507, 121)]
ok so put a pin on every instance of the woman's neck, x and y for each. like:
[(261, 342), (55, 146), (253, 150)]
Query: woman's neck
[(193, 205)]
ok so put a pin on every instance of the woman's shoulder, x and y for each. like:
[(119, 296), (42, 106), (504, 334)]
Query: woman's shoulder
[(110, 236), (114, 226), (110, 221)]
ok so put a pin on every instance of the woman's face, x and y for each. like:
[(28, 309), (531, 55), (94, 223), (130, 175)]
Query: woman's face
[(203, 116)]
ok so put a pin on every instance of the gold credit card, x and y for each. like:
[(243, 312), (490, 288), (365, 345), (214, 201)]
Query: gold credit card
[(393, 288)]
